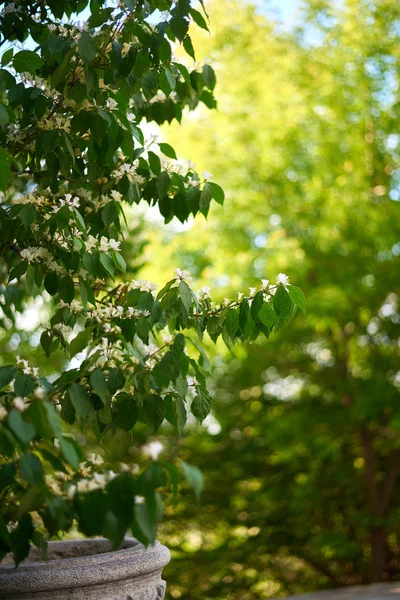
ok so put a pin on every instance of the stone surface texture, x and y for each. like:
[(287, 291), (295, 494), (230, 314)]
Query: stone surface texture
[(88, 570), (375, 591)]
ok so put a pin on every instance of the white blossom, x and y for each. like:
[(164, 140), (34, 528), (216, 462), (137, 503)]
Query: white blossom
[(111, 104), (204, 292), (117, 196), (143, 284), (264, 284), (282, 279), (90, 243), (20, 404), (39, 392), (183, 275), (153, 449)]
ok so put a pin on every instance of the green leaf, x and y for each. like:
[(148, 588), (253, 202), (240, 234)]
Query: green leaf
[(168, 150), (31, 468), (201, 405), (187, 44), (298, 297), (119, 261), (167, 81), (24, 431), (143, 527), (165, 51), (205, 199), (143, 329), (217, 192), (194, 477), (86, 48), (24, 384), (7, 374), (4, 116), (26, 60), (46, 341), (107, 264), (267, 315), (80, 342), (127, 411), (7, 56), (66, 289), (175, 412), (80, 400), (185, 295), (153, 411), (70, 451), (121, 495), (115, 380), (166, 288), (232, 321), (86, 292), (98, 383), (256, 304), (51, 283), (5, 170), (193, 199), (209, 77), (155, 163), (162, 184), (91, 263), (198, 18), (282, 302), (179, 27)]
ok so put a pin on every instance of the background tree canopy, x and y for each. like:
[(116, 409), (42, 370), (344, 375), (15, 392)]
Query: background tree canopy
[(302, 480)]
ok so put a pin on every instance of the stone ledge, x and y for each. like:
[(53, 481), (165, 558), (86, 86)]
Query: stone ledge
[(375, 591)]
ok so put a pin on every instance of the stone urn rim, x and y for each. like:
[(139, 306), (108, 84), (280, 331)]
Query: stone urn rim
[(80, 563)]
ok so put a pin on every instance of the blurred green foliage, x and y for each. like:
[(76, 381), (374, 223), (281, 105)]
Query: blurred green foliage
[(302, 482)]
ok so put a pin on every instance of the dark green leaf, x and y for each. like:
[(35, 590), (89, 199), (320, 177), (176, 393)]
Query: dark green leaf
[(86, 48), (26, 60), (7, 374), (153, 411), (217, 192), (297, 295), (80, 342), (31, 468), (80, 399), (267, 315), (198, 18), (127, 411), (232, 321), (185, 295), (282, 302), (24, 431), (201, 405), (194, 477), (168, 150), (24, 384), (66, 289), (256, 304), (70, 451), (175, 412), (5, 170), (98, 383)]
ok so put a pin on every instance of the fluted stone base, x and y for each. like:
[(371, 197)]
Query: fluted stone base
[(88, 570)]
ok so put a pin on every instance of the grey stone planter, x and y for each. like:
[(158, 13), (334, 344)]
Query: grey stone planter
[(88, 570)]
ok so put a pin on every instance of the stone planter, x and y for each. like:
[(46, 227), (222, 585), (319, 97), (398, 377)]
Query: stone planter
[(88, 570)]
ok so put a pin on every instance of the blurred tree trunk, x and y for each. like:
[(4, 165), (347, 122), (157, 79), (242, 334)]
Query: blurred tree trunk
[(379, 496)]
